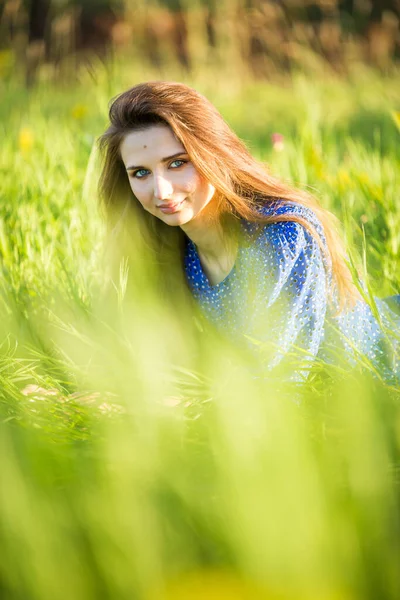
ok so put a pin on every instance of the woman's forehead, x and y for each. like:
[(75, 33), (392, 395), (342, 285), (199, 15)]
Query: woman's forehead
[(152, 143)]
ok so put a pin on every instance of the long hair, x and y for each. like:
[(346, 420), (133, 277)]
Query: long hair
[(241, 182)]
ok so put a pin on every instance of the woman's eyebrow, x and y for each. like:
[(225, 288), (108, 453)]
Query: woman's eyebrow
[(163, 160)]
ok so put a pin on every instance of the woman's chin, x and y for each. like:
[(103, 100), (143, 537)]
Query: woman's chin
[(181, 217)]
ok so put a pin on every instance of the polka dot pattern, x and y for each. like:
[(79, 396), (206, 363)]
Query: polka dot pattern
[(276, 297)]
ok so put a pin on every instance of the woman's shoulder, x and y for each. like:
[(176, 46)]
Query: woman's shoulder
[(286, 208), (289, 239), (292, 221)]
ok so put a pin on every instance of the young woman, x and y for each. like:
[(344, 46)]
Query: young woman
[(262, 260)]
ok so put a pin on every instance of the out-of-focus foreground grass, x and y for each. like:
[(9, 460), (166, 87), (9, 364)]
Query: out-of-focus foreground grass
[(140, 457)]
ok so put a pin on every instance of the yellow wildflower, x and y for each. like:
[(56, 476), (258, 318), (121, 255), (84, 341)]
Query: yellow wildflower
[(219, 585), (213, 585), (26, 140), (343, 180), (364, 178), (79, 112), (314, 160), (396, 118)]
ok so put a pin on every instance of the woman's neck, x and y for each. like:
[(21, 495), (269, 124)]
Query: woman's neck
[(216, 245), (211, 237)]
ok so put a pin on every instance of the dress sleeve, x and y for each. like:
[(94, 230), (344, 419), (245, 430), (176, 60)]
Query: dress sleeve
[(289, 279)]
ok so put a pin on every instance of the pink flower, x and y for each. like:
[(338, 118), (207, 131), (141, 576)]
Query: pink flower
[(278, 142)]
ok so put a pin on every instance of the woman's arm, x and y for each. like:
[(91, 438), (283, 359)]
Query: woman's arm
[(288, 294)]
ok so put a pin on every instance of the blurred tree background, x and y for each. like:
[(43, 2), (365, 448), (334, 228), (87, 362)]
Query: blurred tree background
[(263, 36)]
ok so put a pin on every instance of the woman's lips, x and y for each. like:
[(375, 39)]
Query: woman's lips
[(170, 208)]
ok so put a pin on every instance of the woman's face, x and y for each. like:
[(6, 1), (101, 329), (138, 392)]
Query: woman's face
[(162, 177)]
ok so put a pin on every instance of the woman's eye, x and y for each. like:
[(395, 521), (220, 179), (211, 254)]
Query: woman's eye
[(177, 163), (140, 173)]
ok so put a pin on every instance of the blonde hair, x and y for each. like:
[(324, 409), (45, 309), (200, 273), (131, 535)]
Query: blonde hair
[(242, 183)]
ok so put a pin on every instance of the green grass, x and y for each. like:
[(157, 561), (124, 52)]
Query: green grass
[(149, 463)]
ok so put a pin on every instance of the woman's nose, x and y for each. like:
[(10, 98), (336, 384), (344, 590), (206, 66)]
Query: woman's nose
[(162, 188)]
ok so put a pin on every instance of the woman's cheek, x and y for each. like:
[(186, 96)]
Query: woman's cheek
[(137, 191), (192, 183)]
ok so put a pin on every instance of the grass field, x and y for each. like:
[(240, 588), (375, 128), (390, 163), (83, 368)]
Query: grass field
[(142, 461)]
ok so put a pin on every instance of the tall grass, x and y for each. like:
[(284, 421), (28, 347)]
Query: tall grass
[(140, 456)]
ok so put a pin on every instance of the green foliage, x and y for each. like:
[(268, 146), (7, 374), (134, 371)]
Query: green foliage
[(140, 457)]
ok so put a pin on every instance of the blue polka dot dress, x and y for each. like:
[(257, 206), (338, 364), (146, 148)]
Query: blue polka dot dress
[(276, 301)]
